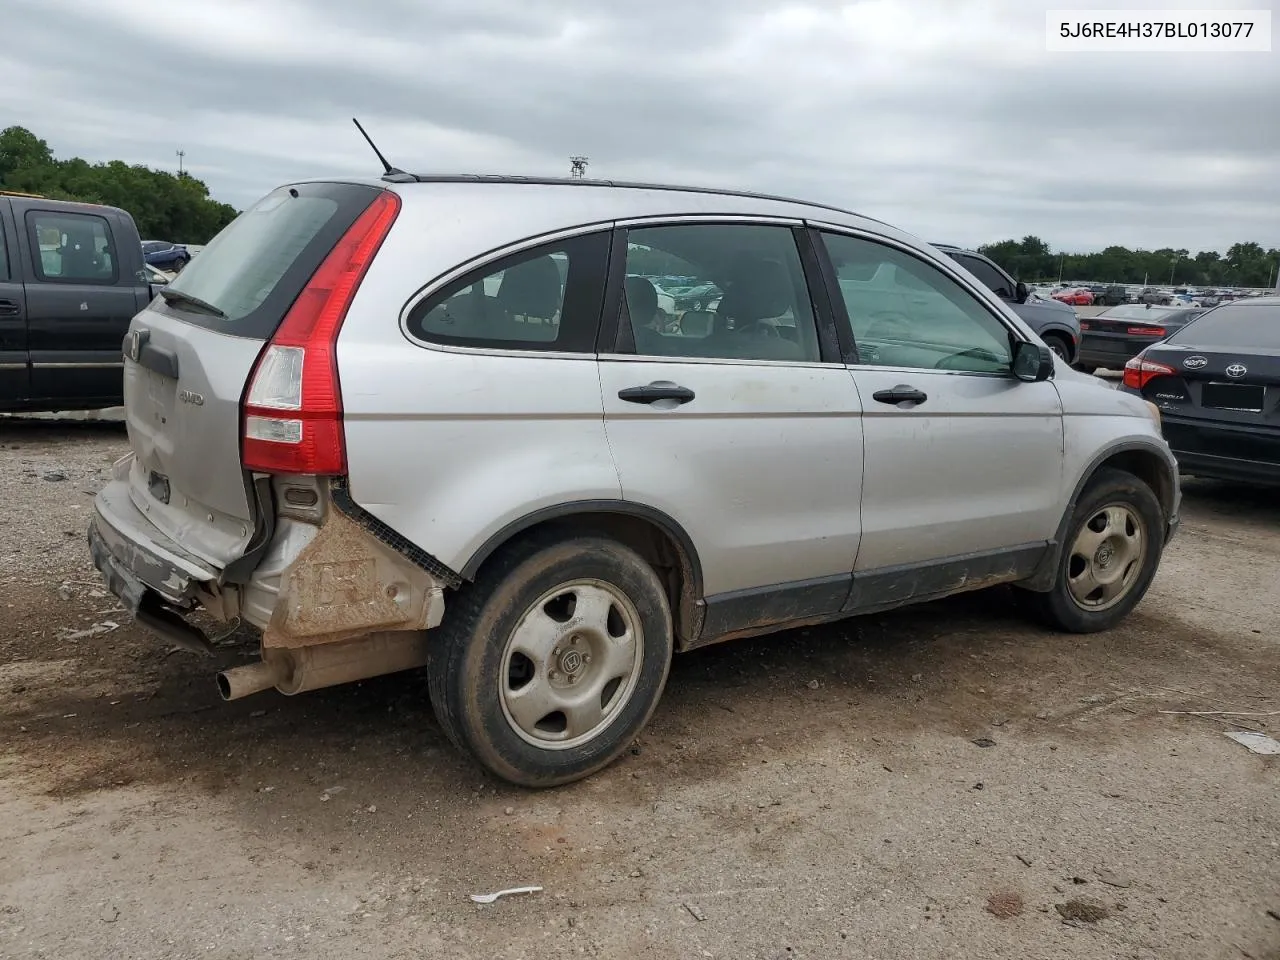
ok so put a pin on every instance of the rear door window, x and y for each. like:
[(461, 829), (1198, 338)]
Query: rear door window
[(71, 247), (254, 269)]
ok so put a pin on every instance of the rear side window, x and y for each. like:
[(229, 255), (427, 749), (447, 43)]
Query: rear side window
[(4, 257), (547, 298), (1246, 325), (72, 247), (254, 269)]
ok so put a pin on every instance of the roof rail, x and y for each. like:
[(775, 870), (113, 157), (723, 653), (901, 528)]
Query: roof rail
[(19, 193), (617, 184)]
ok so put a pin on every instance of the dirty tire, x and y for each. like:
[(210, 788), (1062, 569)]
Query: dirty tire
[(468, 673), (1122, 492)]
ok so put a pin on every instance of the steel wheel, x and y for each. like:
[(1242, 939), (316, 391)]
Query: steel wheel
[(571, 664), (1107, 557)]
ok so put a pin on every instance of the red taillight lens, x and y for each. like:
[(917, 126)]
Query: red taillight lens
[(1084, 325), (293, 407), (1146, 331), (1139, 372)]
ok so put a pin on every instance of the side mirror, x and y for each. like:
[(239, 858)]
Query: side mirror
[(1032, 362), (1021, 292)]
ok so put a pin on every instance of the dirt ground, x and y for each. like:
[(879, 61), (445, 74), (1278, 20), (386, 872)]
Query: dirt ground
[(814, 794)]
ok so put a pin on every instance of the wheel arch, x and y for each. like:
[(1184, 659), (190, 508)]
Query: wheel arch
[(1141, 458), (658, 538)]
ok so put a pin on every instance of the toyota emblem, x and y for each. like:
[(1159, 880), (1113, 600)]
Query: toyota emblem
[(1195, 363), (1237, 370)]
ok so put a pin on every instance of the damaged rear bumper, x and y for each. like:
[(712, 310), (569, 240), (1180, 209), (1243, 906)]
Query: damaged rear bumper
[(133, 556)]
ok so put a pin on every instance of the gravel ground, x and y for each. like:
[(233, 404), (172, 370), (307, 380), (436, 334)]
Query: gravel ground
[(941, 782)]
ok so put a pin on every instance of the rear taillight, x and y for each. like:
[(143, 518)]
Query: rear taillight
[(293, 407), (1084, 325), (1146, 331), (1139, 372)]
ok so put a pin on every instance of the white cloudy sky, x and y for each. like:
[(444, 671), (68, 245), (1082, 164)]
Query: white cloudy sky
[(946, 117)]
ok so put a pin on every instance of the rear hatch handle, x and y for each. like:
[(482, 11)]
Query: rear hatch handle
[(139, 348)]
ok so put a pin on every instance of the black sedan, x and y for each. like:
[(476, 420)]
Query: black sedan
[(1217, 385), (1116, 335)]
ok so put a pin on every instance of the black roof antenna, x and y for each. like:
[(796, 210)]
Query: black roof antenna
[(388, 168)]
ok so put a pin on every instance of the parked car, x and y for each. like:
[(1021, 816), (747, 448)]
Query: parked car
[(409, 442), (1155, 297), (1113, 337), (1055, 323), (1110, 296), (1216, 381), (1079, 297), (71, 278), (167, 256)]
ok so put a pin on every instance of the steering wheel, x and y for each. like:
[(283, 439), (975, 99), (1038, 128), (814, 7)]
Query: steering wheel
[(976, 353)]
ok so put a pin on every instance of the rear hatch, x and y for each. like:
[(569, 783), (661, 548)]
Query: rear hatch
[(190, 353), (1217, 383)]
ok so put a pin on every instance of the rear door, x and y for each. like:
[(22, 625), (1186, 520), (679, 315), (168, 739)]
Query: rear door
[(190, 354), (79, 304), (15, 381), (736, 422), (963, 461)]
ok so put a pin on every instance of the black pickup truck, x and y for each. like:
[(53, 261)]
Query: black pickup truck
[(71, 279)]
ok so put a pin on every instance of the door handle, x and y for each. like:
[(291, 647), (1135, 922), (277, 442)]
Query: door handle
[(902, 393), (653, 392), (8, 308)]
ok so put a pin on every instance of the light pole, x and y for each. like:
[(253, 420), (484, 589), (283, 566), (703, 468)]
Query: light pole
[(1173, 268)]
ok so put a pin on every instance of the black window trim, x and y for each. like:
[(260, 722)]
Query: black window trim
[(617, 341), (37, 262), (487, 261), (979, 293)]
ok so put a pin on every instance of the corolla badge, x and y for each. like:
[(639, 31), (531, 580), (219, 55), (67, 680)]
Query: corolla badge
[(1195, 363), (1237, 370)]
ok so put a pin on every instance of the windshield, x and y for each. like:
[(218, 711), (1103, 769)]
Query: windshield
[(1136, 312), (1245, 325)]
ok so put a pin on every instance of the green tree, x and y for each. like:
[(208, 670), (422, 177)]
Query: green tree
[(163, 205)]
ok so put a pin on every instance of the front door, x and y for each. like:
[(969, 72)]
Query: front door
[(964, 462), (78, 308), (14, 374), (726, 418)]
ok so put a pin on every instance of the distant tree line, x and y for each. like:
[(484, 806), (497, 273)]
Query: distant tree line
[(164, 205), (1243, 265)]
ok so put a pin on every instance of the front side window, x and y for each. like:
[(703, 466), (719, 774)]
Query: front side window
[(718, 291), (906, 313), (72, 247), (990, 277), (547, 298)]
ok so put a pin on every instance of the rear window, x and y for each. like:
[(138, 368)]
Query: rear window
[(1237, 325), (254, 269), (1136, 312)]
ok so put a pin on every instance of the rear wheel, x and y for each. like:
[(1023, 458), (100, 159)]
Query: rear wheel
[(549, 664), (1110, 555)]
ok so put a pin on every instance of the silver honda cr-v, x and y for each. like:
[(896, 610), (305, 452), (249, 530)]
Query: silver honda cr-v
[(478, 425)]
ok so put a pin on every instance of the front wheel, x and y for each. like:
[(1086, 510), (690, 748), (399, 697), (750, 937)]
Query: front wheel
[(1059, 346), (1110, 555), (547, 667)]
